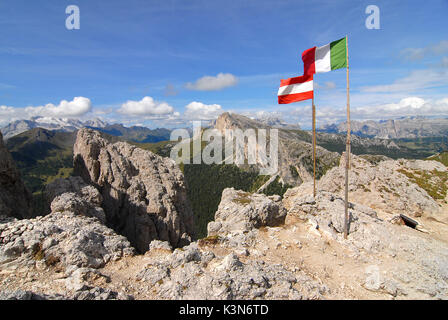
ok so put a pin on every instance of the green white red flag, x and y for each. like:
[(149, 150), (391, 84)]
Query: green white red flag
[(326, 58)]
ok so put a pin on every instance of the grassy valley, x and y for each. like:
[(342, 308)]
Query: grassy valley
[(424, 147), (42, 156)]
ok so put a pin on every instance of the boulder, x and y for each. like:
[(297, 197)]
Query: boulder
[(62, 238), (74, 195), (241, 211)]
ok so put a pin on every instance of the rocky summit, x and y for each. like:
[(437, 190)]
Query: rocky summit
[(267, 255), (70, 241), (144, 195), (121, 229), (411, 187)]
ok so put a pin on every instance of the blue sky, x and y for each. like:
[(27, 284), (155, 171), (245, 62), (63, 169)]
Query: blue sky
[(125, 51)]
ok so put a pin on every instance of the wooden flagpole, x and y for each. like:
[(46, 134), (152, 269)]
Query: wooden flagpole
[(347, 149), (314, 149)]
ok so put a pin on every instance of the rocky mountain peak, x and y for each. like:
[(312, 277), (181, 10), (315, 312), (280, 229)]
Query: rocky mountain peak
[(233, 121), (294, 149), (144, 194)]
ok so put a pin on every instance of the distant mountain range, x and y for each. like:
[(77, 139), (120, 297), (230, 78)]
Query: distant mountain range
[(43, 155), (275, 122), (413, 127), (135, 133), (57, 124)]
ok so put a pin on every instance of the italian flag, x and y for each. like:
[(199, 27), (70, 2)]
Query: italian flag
[(296, 89), (326, 58)]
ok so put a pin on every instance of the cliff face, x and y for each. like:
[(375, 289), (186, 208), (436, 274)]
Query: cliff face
[(144, 195), (295, 152), (71, 236), (15, 200)]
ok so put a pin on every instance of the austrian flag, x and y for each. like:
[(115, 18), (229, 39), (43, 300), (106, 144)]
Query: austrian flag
[(326, 58), (296, 89)]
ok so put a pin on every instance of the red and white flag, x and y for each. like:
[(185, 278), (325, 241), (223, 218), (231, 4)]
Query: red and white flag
[(296, 89)]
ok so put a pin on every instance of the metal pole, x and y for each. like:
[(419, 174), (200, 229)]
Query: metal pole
[(314, 149), (347, 149)]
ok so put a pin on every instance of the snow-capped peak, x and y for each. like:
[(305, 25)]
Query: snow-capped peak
[(49, 123)]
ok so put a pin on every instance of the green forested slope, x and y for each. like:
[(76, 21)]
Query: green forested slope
[(42, 156), (441, 157)]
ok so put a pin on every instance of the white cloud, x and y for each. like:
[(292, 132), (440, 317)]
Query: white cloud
[(416, 80), (414, 54), (78, 107), (262, 114), (170, 90), (146, 107), (101, 111), (409, 106), (6, 111), (5, 86), (200, 111), (213, 83), (194, 111), (326, 86), (75, 108), (444, 62)]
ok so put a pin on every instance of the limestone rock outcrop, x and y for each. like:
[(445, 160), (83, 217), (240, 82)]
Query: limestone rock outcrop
[(294, 149), (74, 195), (64, 237), (194, 273), (390, 186), (71, 241), (241, 211), (419, 262), (144, 195), (15, 199)]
